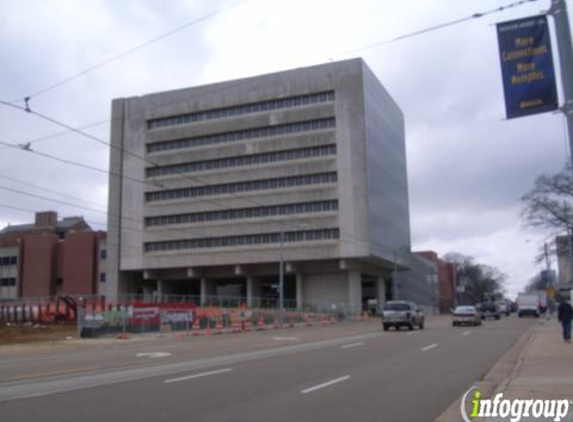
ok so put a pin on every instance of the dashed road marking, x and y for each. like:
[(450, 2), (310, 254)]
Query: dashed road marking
[(325, 384), (153, 355), (203, 374), (430, 347), (466, 333), (348, 346)]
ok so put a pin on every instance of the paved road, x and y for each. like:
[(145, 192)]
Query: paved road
[(349, 372)]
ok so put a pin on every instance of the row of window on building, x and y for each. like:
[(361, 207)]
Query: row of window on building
[(240, 135), (242, 160), (7, 282), (8, 260), (242, 240), (243, 213), (261, 106), (231, 188)]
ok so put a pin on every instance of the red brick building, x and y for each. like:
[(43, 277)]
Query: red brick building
[(51, 257), (446, 280)]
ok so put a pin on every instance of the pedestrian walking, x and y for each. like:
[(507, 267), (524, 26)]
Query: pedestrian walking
[(565, 315)]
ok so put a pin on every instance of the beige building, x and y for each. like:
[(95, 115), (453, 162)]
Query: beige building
[(211, 185)]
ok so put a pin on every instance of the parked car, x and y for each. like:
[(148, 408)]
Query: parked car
[(489, 310), (399, 313), (466, 315), (503, 307)]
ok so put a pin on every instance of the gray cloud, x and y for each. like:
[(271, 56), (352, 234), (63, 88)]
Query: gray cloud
[(467, 166)]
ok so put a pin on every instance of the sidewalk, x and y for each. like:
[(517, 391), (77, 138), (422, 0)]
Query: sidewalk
[(538, 366), (545, 367)]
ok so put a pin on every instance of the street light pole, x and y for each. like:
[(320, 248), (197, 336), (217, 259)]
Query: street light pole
[(394, 276), (558, 10), (281, 273)]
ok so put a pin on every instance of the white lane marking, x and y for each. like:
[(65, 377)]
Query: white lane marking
[(279, 338), (203, 374), (431, 346), (325, 384), (411, 332), (348, 346), (466, 333), (153, 355)]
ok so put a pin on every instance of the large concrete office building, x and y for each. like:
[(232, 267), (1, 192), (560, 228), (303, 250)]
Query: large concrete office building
[(206, 181)]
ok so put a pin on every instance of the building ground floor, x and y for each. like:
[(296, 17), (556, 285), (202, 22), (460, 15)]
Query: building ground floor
[(349, 285)]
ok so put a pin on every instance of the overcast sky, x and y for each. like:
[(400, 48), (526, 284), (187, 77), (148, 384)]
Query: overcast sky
[(467, 165)]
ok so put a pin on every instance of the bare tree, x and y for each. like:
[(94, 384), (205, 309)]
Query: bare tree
[(550, 203), (481, 282)]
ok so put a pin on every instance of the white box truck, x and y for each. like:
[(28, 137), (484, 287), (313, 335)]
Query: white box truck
[(528, 304)]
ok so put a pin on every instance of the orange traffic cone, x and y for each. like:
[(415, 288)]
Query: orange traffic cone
[(123, 336), (196, 328), (261, 323), (219, 326), (236, 325), (248, 325)]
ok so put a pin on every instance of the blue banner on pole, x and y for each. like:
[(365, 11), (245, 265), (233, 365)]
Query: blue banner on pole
[(527, 66)]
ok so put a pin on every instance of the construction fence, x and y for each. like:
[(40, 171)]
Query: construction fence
[(44, 310), (139, 314), (206, 315)]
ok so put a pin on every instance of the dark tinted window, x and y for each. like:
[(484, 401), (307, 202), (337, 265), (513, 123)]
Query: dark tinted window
[(488, 306), (396, 306)]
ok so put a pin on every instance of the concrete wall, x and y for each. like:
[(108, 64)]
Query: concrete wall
[(328, 287), (387, 179)]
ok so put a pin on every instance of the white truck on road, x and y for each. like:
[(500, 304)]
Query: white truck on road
[(528, 304)]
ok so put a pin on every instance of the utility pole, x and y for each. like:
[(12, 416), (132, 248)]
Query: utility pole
[(558, 10)]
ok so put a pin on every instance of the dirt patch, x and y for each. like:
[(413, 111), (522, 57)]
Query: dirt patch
[(28, 333)]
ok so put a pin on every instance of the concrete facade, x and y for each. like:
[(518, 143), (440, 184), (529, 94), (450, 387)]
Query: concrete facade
[(206, 181)]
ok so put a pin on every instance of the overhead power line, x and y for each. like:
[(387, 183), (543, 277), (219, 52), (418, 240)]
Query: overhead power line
[(65, 195), (131, 50), (196, 179), (477, 15)]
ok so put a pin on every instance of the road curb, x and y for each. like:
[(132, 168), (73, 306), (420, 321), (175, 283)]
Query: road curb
[(498, 377)]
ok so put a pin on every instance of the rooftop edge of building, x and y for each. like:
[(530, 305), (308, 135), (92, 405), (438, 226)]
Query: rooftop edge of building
[(181, 94)]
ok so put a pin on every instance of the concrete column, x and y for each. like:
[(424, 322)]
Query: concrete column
[(250, 291), (160, 289), (203, 290), (354, 280), (381, 294), (299, 291)]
